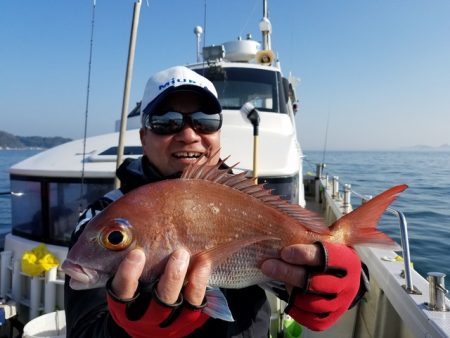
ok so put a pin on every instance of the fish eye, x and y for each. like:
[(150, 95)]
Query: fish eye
[(116, 237)]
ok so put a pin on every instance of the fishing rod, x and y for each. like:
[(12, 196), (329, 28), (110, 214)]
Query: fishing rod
[(86, 111), (326, 136)]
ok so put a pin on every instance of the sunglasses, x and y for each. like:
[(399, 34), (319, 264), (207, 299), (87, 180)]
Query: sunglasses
[(172, 122)]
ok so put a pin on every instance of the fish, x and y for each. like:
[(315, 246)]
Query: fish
[(221, 218)]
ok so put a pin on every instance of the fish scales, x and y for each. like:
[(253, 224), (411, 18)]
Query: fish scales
[(200, 217)]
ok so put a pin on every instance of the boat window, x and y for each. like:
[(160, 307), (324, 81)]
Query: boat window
[(236, 86), (65, 206), (27, 221), (128, 151), (53, 206), (234, 94), (136, 111), (285, 187)]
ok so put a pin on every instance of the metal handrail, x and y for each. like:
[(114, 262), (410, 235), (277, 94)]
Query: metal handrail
[(404, 239), (364, 198), (405, 248)]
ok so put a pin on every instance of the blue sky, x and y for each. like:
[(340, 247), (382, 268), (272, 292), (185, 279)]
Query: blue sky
[(377, 71)]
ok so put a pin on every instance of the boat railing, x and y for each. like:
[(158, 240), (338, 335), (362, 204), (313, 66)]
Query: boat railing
[(323, 182), (343, 197), (403, 225)]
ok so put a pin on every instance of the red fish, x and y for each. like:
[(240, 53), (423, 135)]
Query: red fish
[(218, 217)]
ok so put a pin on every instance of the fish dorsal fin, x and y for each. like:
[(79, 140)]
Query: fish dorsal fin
[(206, 171)]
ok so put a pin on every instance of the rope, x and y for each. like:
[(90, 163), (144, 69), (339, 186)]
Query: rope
[(86, 113), (326, 136), (255, 4)]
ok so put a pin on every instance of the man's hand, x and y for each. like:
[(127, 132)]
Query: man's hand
[(322, 280), (126, 280), (293, 266), (167, 310)]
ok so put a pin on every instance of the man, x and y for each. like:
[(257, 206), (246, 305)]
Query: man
[(181, 120)]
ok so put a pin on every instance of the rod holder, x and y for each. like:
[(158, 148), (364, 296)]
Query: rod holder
[(436, 282), (317, 180), (335, 187), (347, 196), (319, 170)]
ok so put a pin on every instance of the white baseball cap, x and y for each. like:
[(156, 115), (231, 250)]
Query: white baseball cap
[(175, 79)]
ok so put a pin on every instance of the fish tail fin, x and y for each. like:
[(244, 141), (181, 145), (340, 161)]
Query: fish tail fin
[(359, 226)]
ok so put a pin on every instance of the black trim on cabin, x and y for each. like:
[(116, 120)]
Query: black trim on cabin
[(48, 179), (128, 151)]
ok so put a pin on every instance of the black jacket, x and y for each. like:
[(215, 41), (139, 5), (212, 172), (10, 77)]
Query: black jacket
[(87, 313)]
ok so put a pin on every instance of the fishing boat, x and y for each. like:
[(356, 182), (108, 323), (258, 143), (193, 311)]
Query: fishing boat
[(49, 190)]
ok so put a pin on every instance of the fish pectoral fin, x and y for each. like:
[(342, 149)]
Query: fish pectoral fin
[(217, 254), (217, 305)]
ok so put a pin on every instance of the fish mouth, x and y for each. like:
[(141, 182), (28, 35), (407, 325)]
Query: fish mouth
[(83, 277)]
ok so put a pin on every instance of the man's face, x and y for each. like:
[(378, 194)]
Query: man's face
[(172, 153)]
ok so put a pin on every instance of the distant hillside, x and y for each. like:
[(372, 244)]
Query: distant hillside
[(421, 147), (9, 141)]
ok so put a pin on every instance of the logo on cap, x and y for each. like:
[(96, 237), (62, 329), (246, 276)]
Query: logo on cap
[(175, 81)]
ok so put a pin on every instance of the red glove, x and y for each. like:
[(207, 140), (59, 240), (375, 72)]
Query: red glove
[(147, 316), (328, 293)]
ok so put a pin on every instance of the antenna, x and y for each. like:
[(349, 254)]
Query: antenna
[(266, 28), (198, 31)]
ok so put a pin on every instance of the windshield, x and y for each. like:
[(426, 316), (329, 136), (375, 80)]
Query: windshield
[(236, 86)]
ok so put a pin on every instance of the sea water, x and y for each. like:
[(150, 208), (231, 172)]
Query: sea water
[(426, 204)]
